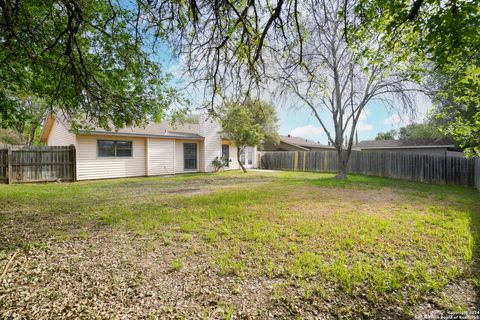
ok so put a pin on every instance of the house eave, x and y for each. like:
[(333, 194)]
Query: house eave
[(47, 128), (158, 136)]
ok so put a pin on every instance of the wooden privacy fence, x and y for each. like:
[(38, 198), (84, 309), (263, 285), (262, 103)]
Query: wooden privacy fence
[(408, 166), (37, 164)]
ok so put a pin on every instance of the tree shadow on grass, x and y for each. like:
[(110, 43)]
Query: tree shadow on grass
[(464, 194)]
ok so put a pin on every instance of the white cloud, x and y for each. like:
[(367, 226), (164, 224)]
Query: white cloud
[(307, 132), (362, 127), (402, 118), (398, 120)]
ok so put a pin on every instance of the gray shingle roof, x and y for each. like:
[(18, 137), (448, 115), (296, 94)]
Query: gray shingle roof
[(152, 129), (302, 142), (426, 143)]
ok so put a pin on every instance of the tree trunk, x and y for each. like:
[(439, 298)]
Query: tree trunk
[(31, 135), (21, 133), (341, 171), (240, 162), (342, 164)]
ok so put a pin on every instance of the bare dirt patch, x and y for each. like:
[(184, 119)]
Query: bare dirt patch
[(105, 277)]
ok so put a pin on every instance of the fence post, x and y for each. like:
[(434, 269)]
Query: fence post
[(9, 165)]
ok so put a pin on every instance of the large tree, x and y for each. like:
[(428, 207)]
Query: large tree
[(23, 116), (85, 58), (333, 77), (457, 112), (426, 130), (387, 135), (249, 122), (445, 35), (75, 48), (225, 43), (229, 37)]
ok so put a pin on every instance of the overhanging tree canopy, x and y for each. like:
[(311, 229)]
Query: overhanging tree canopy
[(87, 58)]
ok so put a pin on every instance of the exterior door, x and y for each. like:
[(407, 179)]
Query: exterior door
[(247, 157), (190, 156)]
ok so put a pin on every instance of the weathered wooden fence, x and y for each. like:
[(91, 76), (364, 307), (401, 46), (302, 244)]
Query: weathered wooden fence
[(477, 173), (408, 166), (37, 164)]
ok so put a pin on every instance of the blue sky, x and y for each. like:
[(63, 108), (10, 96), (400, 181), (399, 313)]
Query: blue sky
[(297, 120), (300, 122)]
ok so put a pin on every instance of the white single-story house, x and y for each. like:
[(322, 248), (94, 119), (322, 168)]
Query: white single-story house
[(156, 149)]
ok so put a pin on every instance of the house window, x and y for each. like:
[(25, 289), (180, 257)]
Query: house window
[(114, 148), (190, 156), (226, 153), (123, 148)]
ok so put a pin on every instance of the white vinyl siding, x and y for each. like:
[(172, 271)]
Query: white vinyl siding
[(161, 156), (60, 136), (213, 143), (201, 154), (91, 166)]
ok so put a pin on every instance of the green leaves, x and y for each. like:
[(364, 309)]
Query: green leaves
[(427, 130), (250, 123), (83, 57), (389, 135), (457, 101), (463, 127), (441, 39)]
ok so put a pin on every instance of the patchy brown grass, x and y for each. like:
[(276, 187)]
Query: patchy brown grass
[(284, 245)]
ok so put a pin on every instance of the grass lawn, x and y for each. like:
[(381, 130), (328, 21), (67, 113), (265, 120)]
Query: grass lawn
[(232, 245)]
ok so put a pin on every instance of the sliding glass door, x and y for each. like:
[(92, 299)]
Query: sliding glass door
[(190, 156)]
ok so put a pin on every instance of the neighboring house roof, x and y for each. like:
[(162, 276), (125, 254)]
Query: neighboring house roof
[(153, 129), (302, 142), (405, 144)]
